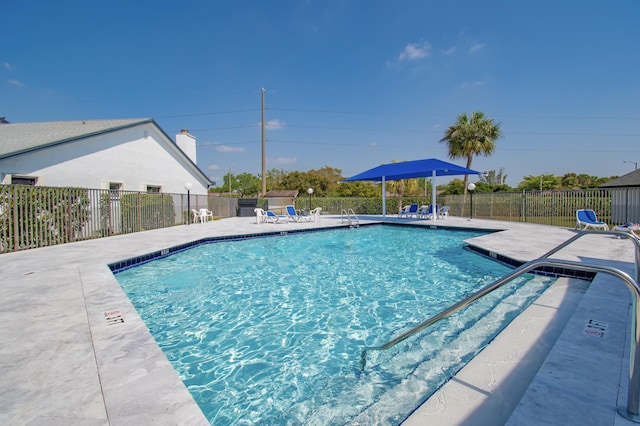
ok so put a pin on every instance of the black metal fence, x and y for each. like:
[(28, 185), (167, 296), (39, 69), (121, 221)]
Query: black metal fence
[(33, 217)]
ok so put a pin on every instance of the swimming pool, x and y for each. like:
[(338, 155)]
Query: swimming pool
[(270, 330)]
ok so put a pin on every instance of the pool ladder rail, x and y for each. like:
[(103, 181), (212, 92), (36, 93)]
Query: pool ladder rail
[(633, 400), (350, 216)]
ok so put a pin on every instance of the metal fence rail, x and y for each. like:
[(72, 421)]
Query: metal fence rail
[(32, 217), (557, 208)]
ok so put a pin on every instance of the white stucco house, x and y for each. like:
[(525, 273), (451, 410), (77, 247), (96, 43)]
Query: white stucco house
[(126, 154)]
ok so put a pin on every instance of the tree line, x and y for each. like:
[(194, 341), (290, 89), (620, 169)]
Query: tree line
[(469, 136)]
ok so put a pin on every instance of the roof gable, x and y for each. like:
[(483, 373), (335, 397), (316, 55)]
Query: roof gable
[(20, 138), (630, 179), (282, 193)]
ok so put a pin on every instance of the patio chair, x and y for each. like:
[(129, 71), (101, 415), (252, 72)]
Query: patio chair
[(205, 215), (588, 219), (428, 213), (293, 215), (444, 212), (273, 218), (196, 216), (408, 211), (315, 213), (261, 215)]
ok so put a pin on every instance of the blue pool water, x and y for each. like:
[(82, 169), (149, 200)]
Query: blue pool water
[(270, 330)]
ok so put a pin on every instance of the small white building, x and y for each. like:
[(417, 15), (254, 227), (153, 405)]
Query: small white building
[(127, 154)]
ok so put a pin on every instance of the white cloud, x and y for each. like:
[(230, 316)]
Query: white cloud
[(477, 83), (476, 47), (227, 148), (16, 83), (282, 161), (275, 124), (213, 167), (7, 66), (414, 51), (449, 51)]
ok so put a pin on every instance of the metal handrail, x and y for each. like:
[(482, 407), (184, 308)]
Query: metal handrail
[(633, 401), (350, 214)]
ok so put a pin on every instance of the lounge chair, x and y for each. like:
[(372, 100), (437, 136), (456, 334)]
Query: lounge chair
[(427, 213), (408, 211), (444, 212), (588, 219), (293, 215), (273, 218)]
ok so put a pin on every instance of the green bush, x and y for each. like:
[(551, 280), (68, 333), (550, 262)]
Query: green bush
[(141, 212), (33, 217)]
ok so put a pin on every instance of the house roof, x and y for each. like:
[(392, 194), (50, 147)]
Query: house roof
[(22, 138), (282, 193), (630, 179)]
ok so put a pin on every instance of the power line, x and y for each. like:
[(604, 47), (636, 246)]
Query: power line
[(573, 117)]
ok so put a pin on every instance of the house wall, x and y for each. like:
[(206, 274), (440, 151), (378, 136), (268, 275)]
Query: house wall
[(135, 157)]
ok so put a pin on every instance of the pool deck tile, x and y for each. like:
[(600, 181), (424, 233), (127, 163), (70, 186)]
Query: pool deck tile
[(75, 352)]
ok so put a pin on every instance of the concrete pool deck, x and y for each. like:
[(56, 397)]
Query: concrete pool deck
[(75, 351)]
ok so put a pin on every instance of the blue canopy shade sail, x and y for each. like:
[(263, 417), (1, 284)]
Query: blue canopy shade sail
[(412, 169), (431, 167)]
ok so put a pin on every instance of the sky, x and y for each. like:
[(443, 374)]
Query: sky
[(348, 84)]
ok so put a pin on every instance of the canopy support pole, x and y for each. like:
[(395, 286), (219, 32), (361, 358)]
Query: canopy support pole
[(384, 197), (433, 195)]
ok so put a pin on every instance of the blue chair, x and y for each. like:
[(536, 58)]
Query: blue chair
[(412, 210), (293, 215), (273, 218), (588, 219), (427, 212)]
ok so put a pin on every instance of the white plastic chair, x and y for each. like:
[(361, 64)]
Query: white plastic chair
[(261, 215), (205, 215), (316, 213), (197, 217), (444, 212)]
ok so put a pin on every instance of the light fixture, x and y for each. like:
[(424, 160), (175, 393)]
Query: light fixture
[(310, 191), (471, 187)]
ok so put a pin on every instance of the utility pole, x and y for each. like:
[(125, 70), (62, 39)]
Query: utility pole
[(264, 158)]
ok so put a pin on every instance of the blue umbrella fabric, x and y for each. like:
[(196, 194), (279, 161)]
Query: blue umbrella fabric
[(430, 167), (412, 169)]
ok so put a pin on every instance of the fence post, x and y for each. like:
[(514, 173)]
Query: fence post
[(15, 218), (139, 210)]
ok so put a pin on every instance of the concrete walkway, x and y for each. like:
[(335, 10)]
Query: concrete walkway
[(75, 351)]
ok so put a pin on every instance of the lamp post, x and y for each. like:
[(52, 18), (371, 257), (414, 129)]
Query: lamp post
[(188, 187), (310, 191), (471, 187)]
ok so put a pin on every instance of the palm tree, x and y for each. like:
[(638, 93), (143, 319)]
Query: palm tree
[(401, 187), (471, 136)]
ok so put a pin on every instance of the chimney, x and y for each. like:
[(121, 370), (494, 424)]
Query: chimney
[(187, 143)]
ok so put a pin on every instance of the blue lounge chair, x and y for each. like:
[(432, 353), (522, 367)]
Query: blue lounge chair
[(588, 219), (293, 215), (409, 211), (427, 212), (273, 218)]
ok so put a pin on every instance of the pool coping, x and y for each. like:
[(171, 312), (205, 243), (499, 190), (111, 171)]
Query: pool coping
[(76, 351)]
